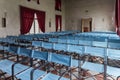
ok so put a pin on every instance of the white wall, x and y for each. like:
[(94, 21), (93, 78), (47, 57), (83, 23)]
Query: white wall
[(101, 12), (11, 7)]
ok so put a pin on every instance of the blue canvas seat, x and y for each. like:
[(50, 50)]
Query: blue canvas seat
[(17, 69), (51, 76), (93, 67), (26, 74), (114, 71), (4, 64)]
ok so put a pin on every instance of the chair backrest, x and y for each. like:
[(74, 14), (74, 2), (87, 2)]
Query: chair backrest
[(114, 43), (60, 46), (75, 48), (113, 54), (47, 45), (13, 49), (99, 43), (53, 39), (85, 42), (62, 40), (40, 55), (37, 43), (95, 51), (72, 41), (60, 59), (24, 52), (1, 47)]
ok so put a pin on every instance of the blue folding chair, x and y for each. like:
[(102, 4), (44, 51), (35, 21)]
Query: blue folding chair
[(34, 73), (94, 66), (5, 63), (112, 70), (58, 59), (14, 68)]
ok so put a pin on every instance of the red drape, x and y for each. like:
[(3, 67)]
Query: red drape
[(41, 20), (117, 17), (58, 22), (58, 5), (27, 17)]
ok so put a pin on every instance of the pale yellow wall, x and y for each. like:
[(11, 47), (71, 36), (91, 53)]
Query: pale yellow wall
[(11, 7), (101, 12)]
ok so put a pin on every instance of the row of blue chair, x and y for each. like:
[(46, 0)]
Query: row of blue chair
[(90, 50), (101, 52), (25, 72), (81, 50), (110, 43)]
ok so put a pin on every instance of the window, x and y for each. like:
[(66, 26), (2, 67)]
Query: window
[(32, 21), (35, 26)]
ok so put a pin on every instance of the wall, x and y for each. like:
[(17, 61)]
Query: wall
[(11, 7), (101, 12)]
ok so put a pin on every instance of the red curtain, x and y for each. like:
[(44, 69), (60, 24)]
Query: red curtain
[(58, 5), (58, 22), (27, 17), (117, 17), (41, 20)]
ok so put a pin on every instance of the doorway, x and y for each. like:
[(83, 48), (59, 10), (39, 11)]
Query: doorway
[(86, 25), (58, 23)]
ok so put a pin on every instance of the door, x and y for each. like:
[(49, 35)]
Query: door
[(86, 25), (58, 23)]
